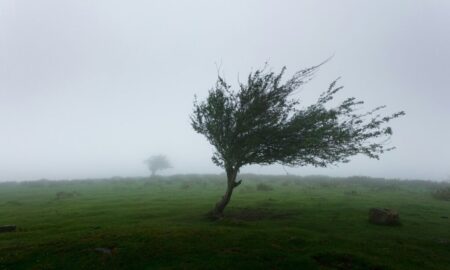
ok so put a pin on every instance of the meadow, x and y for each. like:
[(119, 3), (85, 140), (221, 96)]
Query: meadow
[(272, 222)]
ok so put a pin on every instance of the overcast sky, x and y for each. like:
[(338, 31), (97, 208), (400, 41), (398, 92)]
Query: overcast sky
[(92, 88)]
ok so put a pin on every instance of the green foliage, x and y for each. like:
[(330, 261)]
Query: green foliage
[(261, 123), (156, 163)]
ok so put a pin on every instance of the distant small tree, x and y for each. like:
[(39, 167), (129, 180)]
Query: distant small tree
[(261, 123), (156, 163)]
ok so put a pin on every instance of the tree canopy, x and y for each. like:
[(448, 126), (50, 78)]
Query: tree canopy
[(262, 123), (157, 162)]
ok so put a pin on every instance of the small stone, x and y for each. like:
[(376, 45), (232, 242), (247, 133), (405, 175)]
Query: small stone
[(383, 216), (106, 251)]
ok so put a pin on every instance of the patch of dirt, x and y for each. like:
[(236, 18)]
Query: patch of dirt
[(255, 214), (344, 262)]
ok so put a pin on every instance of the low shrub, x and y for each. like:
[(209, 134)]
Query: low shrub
[(264, 187), (185, 186), (442, 194), (66, 195)]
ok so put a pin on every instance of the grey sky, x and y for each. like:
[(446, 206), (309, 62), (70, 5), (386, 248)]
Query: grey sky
[(92, 88)]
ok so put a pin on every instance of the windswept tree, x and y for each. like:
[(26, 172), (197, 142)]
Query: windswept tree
[(261, 123), (156, 163)]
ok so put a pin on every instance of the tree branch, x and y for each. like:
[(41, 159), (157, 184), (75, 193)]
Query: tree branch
[(235, 184)]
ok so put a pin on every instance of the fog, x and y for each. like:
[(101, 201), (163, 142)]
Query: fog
[(91, 89)]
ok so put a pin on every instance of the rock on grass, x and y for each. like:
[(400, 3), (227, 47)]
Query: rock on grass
[(384, 216)]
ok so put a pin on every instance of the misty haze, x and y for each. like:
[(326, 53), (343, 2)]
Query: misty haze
[(224, 134)]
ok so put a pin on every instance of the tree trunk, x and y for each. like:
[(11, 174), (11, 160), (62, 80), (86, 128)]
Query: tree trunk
[(217, 212)]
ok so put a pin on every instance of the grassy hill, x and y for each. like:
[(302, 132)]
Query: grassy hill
[(272, 222)]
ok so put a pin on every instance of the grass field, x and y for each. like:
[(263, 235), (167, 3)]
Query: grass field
[(293, 223)]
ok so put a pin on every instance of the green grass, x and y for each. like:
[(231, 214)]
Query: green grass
[(303, 223)]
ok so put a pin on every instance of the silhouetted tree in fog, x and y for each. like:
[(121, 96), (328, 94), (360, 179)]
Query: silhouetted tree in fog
[(156, 163), (261, 123)]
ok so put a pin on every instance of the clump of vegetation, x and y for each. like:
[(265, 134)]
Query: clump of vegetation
[(351, 193), (328, 184), (343, 261), (13, 203), (286, 183), (66, 195), (264, 187), (185, 186), (442, 194), (255, 214), (247, 189), (37, 184)]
